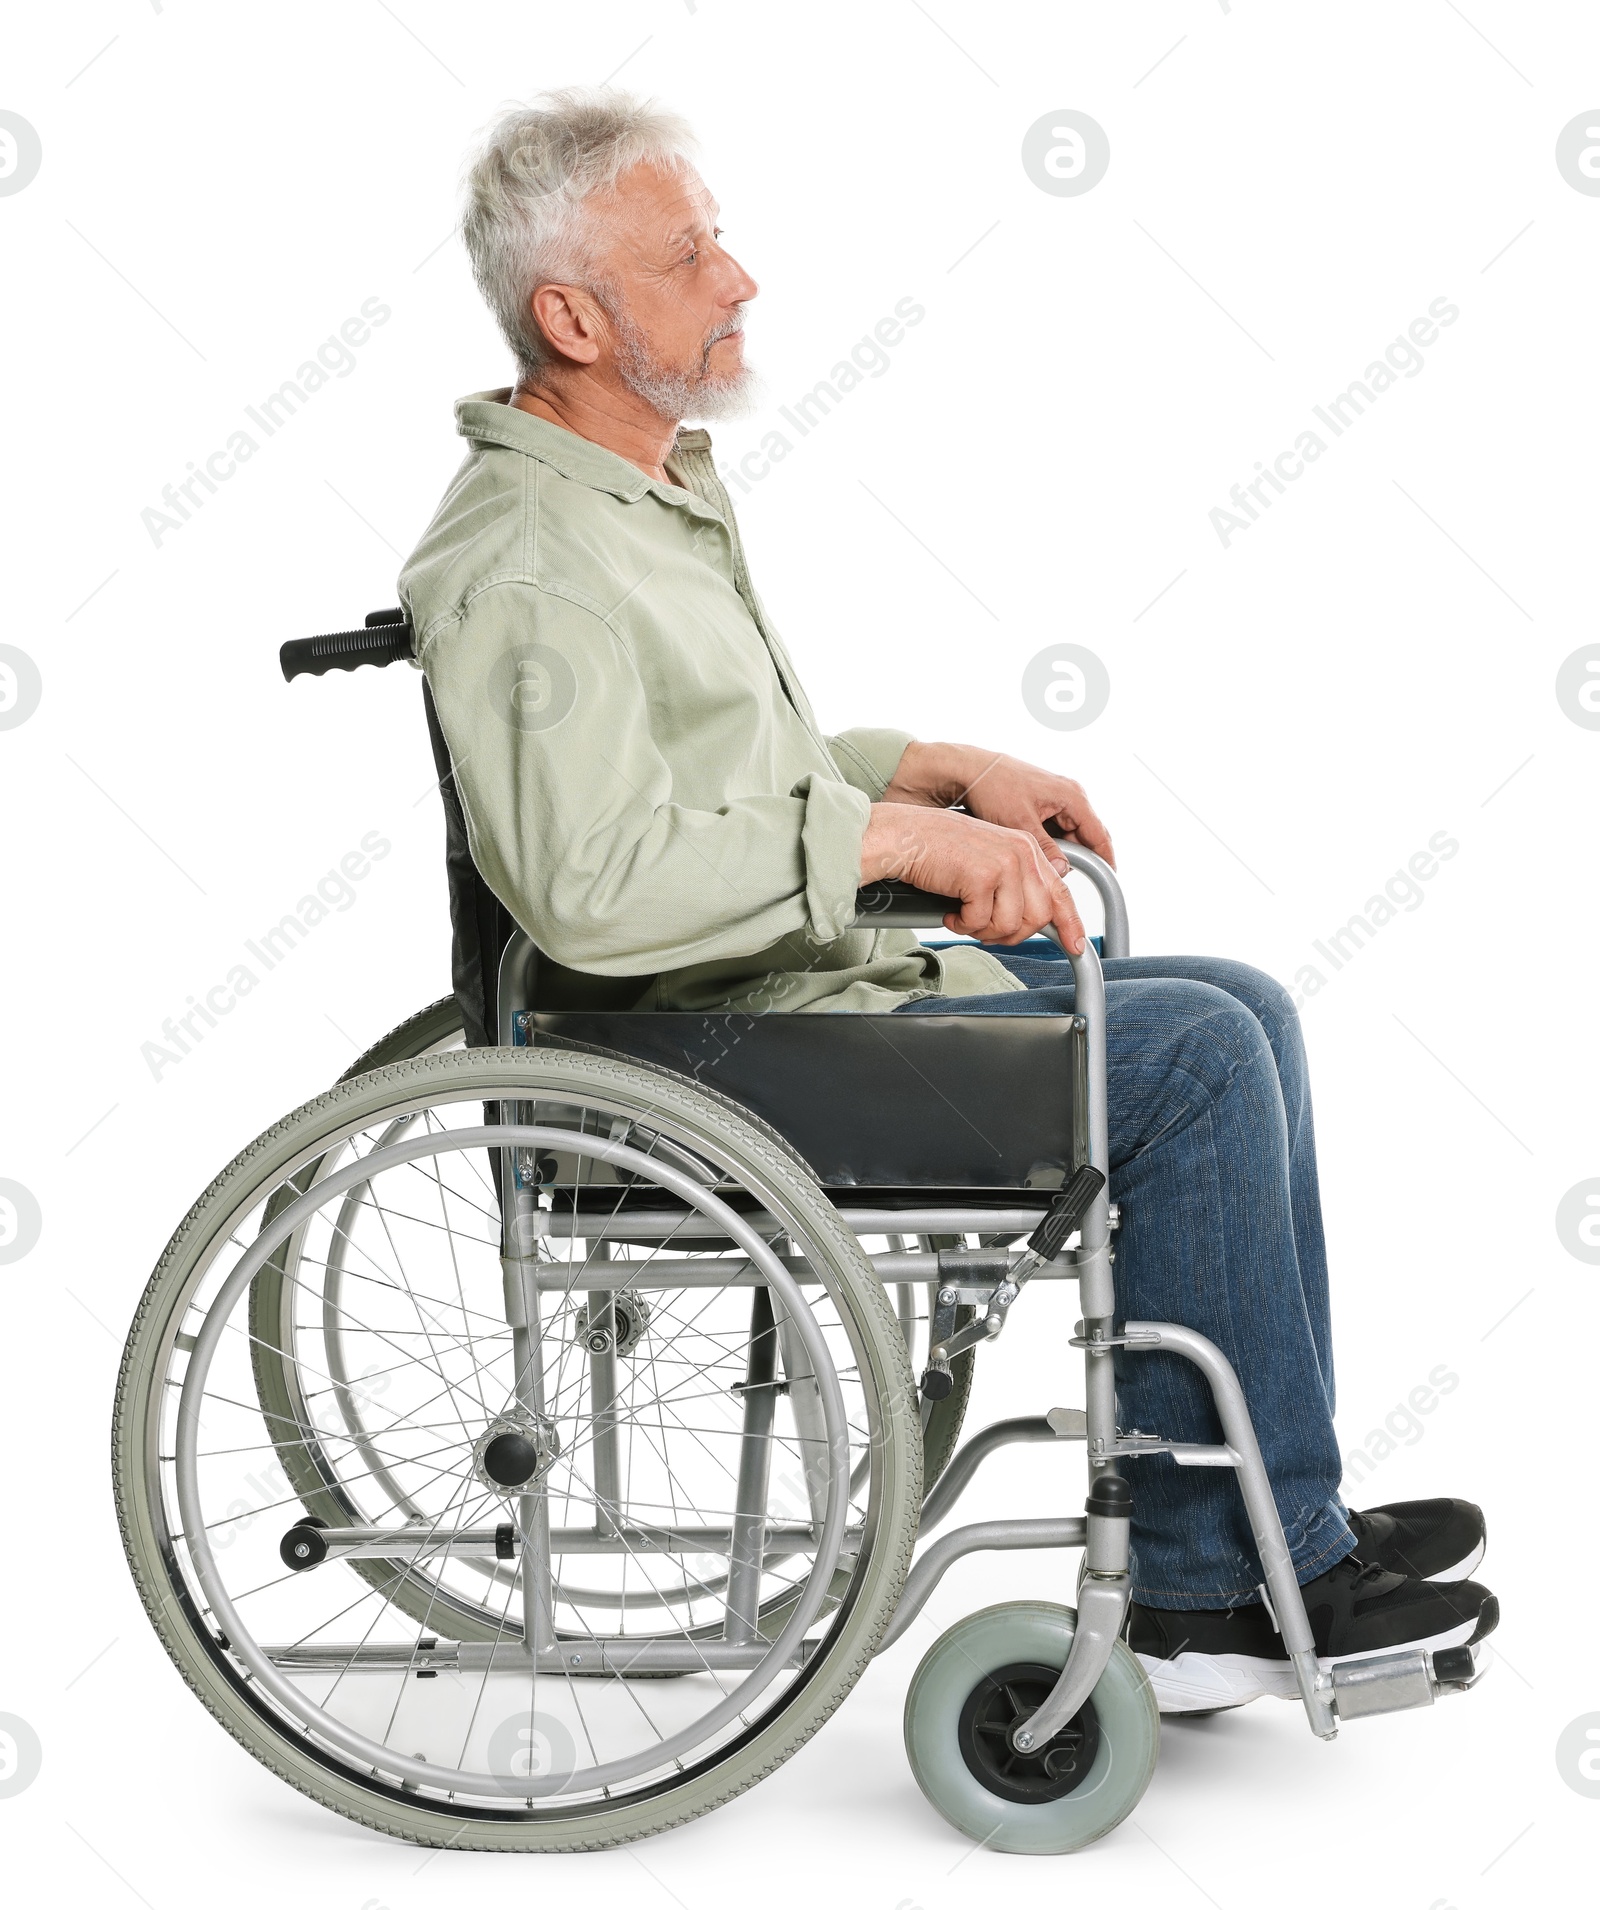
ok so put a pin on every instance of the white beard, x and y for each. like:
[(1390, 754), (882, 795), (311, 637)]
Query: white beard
[(672, 393)]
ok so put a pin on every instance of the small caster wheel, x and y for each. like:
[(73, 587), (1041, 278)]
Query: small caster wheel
[(971, 1689)]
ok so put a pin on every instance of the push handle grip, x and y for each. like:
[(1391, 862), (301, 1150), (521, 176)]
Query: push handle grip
[(1066, 1212), (387, 639)]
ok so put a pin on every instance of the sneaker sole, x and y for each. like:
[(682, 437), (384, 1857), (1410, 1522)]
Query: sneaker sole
[(1223, 1681), (1463, 1568)]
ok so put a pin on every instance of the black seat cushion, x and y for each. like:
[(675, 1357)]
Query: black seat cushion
[(881, 1101)]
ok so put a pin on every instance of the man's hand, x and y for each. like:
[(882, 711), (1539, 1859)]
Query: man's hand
[(1001, 790), (1007, 889)]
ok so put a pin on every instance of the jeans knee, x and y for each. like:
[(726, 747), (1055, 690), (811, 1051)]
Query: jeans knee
[(1266, 998), (1178, 1049), (1222, 1038)]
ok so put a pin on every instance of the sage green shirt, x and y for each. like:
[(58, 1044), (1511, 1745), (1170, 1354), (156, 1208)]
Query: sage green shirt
[(645, 785)]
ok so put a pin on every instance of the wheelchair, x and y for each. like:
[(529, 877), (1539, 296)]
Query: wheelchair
[(524, 1444)]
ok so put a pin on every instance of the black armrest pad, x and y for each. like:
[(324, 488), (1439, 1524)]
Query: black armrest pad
[(892, 901)]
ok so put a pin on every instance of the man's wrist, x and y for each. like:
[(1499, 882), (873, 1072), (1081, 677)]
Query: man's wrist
[(890, 841), (877, 854), (936, 773)]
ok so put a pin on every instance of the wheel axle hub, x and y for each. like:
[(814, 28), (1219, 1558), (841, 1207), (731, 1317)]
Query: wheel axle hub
[(516, 1450), (1038, 1774)]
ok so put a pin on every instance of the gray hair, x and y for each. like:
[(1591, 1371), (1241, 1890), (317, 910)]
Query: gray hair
[(524, 223)]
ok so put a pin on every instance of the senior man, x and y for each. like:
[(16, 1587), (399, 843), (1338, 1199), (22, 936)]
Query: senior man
[(647, 790)]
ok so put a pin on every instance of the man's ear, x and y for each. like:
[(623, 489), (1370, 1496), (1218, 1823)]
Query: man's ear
[(569, 320)]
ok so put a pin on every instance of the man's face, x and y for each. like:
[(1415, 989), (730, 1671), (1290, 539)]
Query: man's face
[(672, 296)]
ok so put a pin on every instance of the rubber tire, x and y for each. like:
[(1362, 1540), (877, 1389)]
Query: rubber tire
[(942, 1434), (415, 1036), (522, 1074), (1125, 1705)]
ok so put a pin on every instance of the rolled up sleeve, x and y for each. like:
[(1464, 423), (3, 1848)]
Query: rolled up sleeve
[(868, 758), (571, 811), (830, 840)]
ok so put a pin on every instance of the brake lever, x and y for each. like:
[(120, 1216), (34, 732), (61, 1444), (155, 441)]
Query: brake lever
[(1065, 1217)]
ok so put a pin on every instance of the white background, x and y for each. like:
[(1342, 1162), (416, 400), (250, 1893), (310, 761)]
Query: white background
[(1291, 718)]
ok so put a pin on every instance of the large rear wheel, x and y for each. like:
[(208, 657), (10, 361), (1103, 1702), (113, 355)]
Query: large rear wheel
[(588, 1476)]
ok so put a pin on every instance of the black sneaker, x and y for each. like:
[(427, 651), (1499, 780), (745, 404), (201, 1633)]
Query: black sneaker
[(1441, 1539), (1212, 1661)]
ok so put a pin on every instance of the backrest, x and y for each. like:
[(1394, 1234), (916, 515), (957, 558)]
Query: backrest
[(481, 925)]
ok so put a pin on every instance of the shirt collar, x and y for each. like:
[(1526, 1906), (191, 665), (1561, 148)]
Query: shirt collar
[(489, 417)]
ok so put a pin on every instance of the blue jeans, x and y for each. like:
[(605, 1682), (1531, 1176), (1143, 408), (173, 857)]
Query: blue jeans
[(1213, 1163)]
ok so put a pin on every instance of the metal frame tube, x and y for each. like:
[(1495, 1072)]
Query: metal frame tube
[(1102, 1600), (1096, 1292), (605, 1456), (564, 1276), (1093, 1257), (1102, 1606), (755, 1465), (519, 964), (957, 1475), (993, 1535), (805, 1404), (519, 1220), (521, 1284), (568, 1658), (1283, 1588), (602, 1411), (624, 1227), (1114, 938), (482, 1541)]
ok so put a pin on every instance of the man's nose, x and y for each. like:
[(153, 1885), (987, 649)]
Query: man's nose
[(740, 287)]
